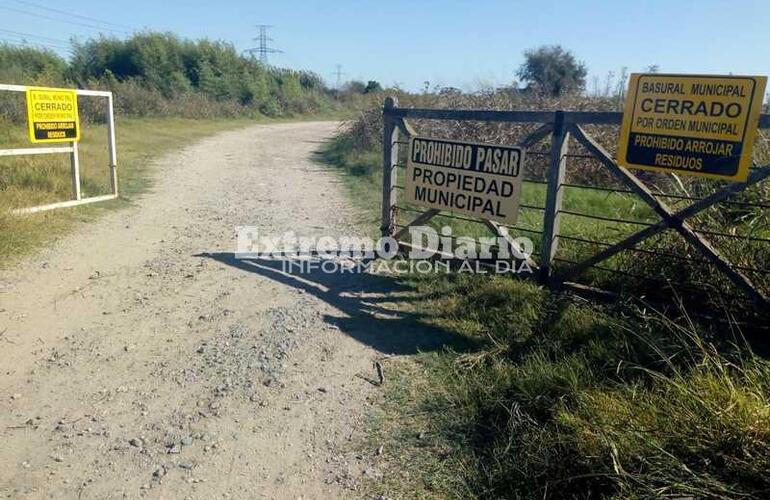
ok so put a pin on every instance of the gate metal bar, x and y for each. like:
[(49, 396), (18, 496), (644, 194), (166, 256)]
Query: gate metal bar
[(669, 218), (562, 125), (496, 229), (72, 150), (389, 158)]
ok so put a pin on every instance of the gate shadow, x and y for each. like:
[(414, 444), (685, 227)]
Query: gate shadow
[(360, 296)]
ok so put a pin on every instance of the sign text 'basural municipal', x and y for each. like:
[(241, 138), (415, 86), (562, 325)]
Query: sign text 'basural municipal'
[(691, 124), (481, 180), (53, 115)]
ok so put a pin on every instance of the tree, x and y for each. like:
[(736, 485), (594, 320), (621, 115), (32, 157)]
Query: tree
[(372, 86), (354, 87), (553, 70)]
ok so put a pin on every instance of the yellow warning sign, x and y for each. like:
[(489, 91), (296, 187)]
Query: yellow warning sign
[(52, 115), (691, 124), (481, 180)]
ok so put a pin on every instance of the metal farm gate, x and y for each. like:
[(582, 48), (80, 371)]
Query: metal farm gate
[(672, 212), (72, 151)]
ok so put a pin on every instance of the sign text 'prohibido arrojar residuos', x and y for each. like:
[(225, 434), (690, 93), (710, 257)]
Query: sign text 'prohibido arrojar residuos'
[(691, 124), (480, 180), (53, 115)]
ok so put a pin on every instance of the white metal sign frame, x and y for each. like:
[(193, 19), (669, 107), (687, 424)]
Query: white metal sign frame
[(72, 150)]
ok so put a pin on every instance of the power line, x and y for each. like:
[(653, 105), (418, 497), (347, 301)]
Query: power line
[(264, 49), (50, 18), (26, 44), (72, 14), (29, 35)]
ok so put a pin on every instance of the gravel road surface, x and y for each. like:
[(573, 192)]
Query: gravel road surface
[(139, 359)]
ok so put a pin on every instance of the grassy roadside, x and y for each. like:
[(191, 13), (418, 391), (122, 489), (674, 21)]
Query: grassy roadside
[(551, 396), (33, 180), (561, 398)]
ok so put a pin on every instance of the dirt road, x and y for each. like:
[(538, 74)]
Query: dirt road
[(139, 359)]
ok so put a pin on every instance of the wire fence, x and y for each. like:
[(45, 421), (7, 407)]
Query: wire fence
[(608, 231)]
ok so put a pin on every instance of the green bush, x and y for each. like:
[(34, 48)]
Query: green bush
[(31, 66), (161, 74), (174, 67)]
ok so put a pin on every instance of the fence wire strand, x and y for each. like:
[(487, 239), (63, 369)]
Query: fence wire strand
[(752, 202)]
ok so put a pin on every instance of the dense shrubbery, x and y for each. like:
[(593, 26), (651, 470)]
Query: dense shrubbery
[(31, 66), (160, 74)]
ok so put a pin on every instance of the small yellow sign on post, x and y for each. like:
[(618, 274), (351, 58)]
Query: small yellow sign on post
[(481, 180), (691, 124), (52, 115)]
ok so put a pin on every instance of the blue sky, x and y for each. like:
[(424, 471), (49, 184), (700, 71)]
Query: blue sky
[(458, 43)]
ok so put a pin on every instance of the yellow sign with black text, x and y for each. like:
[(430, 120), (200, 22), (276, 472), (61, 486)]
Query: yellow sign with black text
[(480, 180), (52, 115), (691, 124)]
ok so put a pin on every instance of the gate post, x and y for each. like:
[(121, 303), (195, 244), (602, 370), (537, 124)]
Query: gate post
[(111, 144), (389, 158), (556, 172), (75, 171)]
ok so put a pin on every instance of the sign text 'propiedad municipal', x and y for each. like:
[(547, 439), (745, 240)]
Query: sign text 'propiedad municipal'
[(480, 180), (691, 124), (53, 115)]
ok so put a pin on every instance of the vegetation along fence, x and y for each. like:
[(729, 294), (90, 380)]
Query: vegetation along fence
[(595, 223)]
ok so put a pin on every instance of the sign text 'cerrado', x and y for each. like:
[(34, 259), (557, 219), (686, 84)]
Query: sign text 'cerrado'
[(52, 115), (700, 125)]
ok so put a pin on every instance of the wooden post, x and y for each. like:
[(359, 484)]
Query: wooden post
[(75, 165), (556, 172), (389, 159)]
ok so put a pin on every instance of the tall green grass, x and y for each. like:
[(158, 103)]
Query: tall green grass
[(567, 399), (551, 396)]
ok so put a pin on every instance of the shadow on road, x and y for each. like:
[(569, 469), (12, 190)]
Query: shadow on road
[(360, 296)]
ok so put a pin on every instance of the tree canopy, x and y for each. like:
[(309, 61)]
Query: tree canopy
[(553, 70)]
